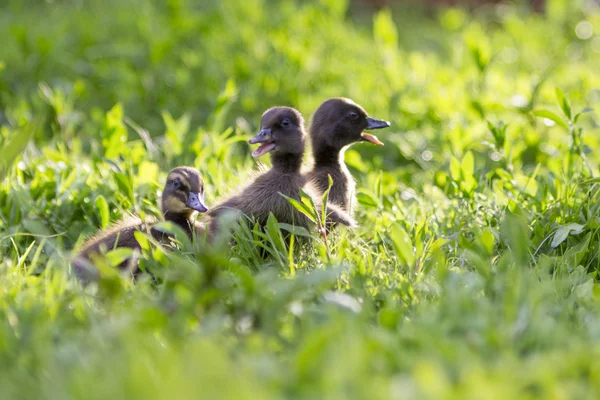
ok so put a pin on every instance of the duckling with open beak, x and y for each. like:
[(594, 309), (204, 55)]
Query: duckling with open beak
[(182, 198), (336, 124), (281, 135)]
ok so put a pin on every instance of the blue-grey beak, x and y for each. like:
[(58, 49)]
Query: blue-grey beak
[(196, 202), (263, 136), (374, 123)]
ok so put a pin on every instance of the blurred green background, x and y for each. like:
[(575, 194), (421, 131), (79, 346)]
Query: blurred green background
[(473, 273)]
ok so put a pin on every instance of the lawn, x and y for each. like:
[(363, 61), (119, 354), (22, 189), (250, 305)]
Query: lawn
[(473, 272)]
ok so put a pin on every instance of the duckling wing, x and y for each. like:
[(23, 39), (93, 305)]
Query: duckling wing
[(121, 234), (118, 234)]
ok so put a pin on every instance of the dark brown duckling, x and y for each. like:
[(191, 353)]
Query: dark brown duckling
[(182, 197), (282, 135), (338, 123)]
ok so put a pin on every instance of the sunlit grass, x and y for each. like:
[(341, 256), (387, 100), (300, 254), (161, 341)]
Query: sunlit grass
[(472, 274)]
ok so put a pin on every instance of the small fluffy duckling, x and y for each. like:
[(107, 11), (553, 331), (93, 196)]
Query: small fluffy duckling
[(336, 124), (182, 197), (282, 135)]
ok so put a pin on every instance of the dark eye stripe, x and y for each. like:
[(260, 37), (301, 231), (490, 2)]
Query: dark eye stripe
[(184, 178)]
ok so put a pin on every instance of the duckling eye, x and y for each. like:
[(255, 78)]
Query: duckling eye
[(285, 122), (177, 184), (353, 115)]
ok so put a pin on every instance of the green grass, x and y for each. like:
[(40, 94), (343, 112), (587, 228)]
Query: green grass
[(473, 274)]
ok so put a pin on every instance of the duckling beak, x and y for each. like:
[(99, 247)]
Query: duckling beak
[(196, 202), (373, 123), (264, 137)]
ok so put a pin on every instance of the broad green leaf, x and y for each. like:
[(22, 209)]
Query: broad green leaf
[(274, 234), (468, 165), (176, 131), (16, 145), (499, 133), (468, 184), (366, 199), (148, 172), (68, 181), (455, 169), (437, 244), (563, 103), (142, 240), (119, 255), (296, 230), (114, 116), (102, 209), (479, 46), (575, 254), (175, 230), (124, 185), (36, 226), (303, 208), (402, 244), (551, 116), (115, 133), (488, 240), (563, 232), (309, 202)]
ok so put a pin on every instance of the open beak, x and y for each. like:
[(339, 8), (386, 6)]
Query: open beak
[(196, 202), (267, 144), (374, 123)]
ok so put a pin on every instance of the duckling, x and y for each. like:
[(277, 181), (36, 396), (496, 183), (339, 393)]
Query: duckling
[(282, 135), (182, 197), (338, 123)]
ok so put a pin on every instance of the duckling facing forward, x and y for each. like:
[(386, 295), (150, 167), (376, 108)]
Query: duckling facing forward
[(282, 135), (182, 197), (338, 123)]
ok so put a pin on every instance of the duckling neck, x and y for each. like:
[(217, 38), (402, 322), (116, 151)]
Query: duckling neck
[(287, 163), (180, 219), (329, 156)]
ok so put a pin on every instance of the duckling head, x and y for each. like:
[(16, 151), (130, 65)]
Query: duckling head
[(183, 192), (339, 122), (281, 132)]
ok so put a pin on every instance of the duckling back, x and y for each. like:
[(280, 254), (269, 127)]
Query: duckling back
[(264, 196), (121, 234)]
